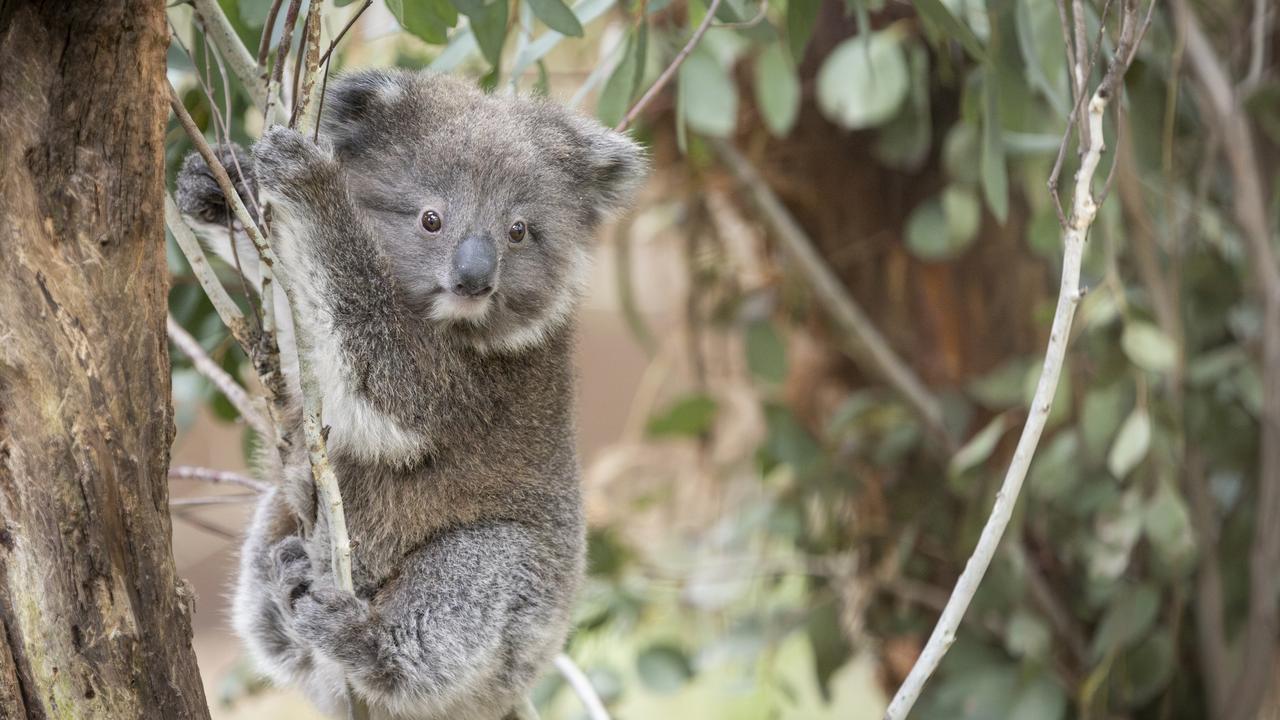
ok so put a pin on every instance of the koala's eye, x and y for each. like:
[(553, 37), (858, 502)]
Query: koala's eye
[(431, 221), (517, 231)]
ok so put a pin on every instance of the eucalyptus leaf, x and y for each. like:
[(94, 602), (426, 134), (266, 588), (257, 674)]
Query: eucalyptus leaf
[(664, 668), (615, 98), (1130, 615), (766, 354), (979, 447), (707, 95), (995, 175), (690, 416), (557, 16), (938, 14), (489, 25), (1148, 347), (864, 80), (777, 89), (801, 17), (1131, 444)]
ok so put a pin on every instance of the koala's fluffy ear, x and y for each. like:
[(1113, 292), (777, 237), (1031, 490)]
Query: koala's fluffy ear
[(356, 104), (608, 166)]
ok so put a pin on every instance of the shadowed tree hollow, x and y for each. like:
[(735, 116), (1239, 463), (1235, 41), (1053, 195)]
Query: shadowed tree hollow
[(94, 619)]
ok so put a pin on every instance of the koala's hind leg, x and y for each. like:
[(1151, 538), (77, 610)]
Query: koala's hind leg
[(461, 633), (274, 571)]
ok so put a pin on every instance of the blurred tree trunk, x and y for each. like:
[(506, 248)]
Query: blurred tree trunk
[(95, 621)]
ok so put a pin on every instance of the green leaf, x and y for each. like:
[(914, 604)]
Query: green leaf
[(903, 143), (1043, 52), (1040, 699), (766, 354), (1131, 444), (864, 80), (801, 17), (777, 89), (488, 25), (1167, 524), (689, 417), (1148, 347), (1131, 614), (1148, 668), (979, 447), (995, 176), (960, 152), (615, 98), (1055, 470), (557, 16), (429, 20), (707, 96), (1027, 636), (943, 228), (938, 14), (664, 668)]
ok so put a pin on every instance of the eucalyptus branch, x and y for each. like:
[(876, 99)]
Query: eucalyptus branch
[(671, 70), (1084, 210), (236, 499), (226, 308), (309, 56), (582, 687), (217, 477), (872, 349), (226, 384)]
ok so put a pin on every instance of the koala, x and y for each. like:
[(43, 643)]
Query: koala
[(436, 240)]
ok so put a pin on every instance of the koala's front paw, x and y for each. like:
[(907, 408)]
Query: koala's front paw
[(288, 164), (290, 572), (198, 193), (327, 616)]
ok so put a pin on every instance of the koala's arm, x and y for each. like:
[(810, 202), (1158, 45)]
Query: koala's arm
[(475, 613), (342, 284)]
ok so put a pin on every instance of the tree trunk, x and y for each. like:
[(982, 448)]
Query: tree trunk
[(95, 621)]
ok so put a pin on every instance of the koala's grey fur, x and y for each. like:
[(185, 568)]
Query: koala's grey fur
[(451, 431)]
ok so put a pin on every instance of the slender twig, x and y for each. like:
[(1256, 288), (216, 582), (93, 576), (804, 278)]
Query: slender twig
[(226, 308), (582, 687), (220, 176), (309, 60), (324, 59), (1083, 212), (236, 499), (873, 349), (192, 519), (276, 78), (224, 37), (670, 72), (222, 380), (217, 477), (264, 44)]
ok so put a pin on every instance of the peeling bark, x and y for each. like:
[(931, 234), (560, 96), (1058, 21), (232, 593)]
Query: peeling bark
[(96, 622)]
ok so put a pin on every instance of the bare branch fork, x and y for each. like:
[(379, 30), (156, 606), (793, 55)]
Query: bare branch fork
[(1084, 210)]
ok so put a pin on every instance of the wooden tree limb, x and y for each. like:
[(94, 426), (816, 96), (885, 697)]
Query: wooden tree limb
[(1084, 210), (871, 348)]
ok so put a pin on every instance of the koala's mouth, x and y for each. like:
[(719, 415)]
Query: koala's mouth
[(449, 307)]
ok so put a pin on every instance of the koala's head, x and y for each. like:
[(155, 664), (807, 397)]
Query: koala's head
[(484, 205)]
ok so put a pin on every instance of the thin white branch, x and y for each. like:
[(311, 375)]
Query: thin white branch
[(582, 687), (226, 384), (237, 499), (219, 30), (218, 477), (226, 308), (1084, 210)]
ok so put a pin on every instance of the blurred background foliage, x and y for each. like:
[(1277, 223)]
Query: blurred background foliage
[(775, 533)]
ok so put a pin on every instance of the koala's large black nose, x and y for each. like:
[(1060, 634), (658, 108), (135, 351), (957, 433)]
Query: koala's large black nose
[(474, 264)]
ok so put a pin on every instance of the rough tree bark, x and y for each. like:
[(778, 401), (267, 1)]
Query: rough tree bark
[(94, 621)]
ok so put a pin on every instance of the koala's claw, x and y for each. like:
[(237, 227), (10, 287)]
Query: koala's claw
[(198, 193), (323, 612), (290, 569)]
